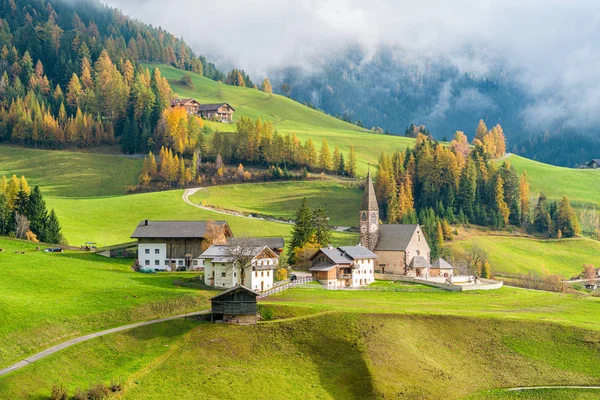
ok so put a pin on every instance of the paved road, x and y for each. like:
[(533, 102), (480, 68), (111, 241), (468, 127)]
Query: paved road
[(80, 339), (189, 192)]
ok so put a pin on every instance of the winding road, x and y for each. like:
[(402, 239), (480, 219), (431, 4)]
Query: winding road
[(188, 192)]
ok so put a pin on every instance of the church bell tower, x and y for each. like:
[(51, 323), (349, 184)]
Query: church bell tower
[(369, 216)]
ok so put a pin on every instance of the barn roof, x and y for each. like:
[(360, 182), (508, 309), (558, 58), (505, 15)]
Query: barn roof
[(395, 237), (595, 160), (182, 102), (345, 254), (213, 107), (222, 252), (335, 255), (419, 262), (272, 243), (322, 267), (173, 229), (441, 264), (235, 289)]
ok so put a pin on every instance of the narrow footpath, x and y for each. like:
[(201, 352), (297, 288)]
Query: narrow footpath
[(58, 347)]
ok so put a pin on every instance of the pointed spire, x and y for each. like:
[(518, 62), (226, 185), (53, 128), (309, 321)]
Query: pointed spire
[(369, 201)]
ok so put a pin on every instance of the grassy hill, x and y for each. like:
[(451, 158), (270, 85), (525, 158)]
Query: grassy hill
[(340, 200), (577, 184), (453, 345), (47, 298), (287, 115), (523, 255)]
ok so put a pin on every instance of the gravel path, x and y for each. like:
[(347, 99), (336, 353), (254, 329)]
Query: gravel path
[(58, 347), (552, 387)]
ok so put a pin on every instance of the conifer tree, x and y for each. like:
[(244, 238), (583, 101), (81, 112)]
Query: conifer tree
[(351, 163), (524, 197), (303, 229), (341, 169), (325, 157), (566, 219), (53, 230), (37, 214), (6, 217), (501, 206), (320, 222), (266, 86), (336, 159), (481, 131)]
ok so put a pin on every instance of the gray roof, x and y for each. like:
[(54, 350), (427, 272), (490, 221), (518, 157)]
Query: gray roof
[(213, 107), (222, 252), (419, 262), (272, 243), (172, 229), (369, 200), (358, 252), (336, 255), (441, 264), (322, 267), (395, 236), (233, 289), (595, 160)]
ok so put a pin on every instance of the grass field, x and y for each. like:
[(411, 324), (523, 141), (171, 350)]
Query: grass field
[(451, 345), (341, 201), (522, 255), (288, 116), (70, 174), (111, 220), (577, 184), (47, 298)]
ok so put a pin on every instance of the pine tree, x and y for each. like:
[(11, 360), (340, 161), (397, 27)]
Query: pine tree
[(341, 169), (325, 157), (542, 220), (266, 86), (6, 215), (303, 229), (37, 214), (336, 158), (320, 222), (393, 207), (52, 230), (481, 131), (311, 154), (566, 219), (524, 197), (21, 202), (500, 204), (351, 163)]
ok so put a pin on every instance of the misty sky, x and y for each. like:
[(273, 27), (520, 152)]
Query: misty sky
[(551, 47)]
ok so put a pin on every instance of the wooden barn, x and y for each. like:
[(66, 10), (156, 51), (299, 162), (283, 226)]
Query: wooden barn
[(222, 112), (191, 105), (235, 306)]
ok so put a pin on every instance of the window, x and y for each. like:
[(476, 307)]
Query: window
[(180, 262), (256, 274), (147, 262), (147, 251), (223, 275), (262, 273), (195, 262), (166, 262), (268, 273), (156, 251), (156, 262), (235, 274)]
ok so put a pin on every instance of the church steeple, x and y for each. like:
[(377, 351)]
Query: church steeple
[(369, 216)]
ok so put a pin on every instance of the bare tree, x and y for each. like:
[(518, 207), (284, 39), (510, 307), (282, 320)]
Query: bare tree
[(243, 252), (214, 234), (22, 224), (589, 272)]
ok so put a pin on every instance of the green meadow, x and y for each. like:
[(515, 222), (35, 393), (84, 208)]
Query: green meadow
[(47, 298), (341, 200), (350, 345), (524, 255)]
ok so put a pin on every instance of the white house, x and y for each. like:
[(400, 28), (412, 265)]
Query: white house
[(229, 265), (346, 266)]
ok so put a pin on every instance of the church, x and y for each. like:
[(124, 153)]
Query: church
[(401, 249)]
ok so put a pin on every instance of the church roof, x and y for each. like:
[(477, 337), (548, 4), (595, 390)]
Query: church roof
[(441, 264), (395, 237), (419, 262), (369, 201)]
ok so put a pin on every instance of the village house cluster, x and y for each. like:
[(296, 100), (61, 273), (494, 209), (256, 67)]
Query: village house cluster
[(221, 112)]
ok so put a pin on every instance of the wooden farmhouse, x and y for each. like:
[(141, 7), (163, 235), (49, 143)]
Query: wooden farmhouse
[(236, 305), (401, 249), (346, 266), (594, 163), (191, 105), (221, 112), (176, 245), (251, 264)]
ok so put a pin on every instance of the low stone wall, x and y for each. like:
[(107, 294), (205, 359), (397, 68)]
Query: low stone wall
[(484, 284)]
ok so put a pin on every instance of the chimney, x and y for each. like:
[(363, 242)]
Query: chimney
[(145, 222)]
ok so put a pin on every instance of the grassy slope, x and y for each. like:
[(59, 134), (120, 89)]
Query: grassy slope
[(70, 174), (579, 185), (520, 255), (110, 220), (47, 298), (281, 199), (288, 116), (351, 354)]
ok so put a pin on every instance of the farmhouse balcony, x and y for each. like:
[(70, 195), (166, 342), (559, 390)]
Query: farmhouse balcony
[(344, 276)]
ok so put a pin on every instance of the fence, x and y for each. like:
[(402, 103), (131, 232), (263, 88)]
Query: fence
[(284, 286)]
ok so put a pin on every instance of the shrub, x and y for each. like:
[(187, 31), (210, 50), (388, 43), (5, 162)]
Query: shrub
[(98, 392), (58, 393)]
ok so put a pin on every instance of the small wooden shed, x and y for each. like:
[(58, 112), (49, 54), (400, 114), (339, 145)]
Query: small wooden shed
[(235, 306)]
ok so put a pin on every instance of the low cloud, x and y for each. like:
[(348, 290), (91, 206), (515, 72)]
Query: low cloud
[(549, 46)]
